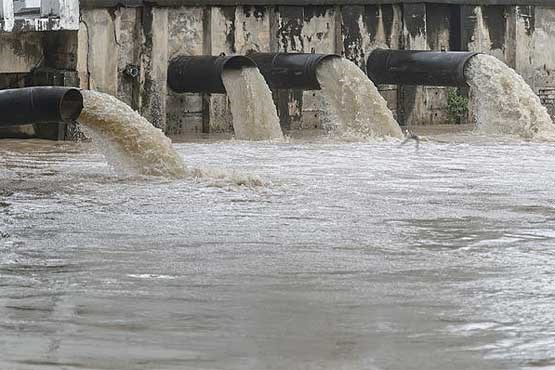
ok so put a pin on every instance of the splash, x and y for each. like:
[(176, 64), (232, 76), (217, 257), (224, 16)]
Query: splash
[(353, 101), (504, 103), (252, 107), (131, 144)]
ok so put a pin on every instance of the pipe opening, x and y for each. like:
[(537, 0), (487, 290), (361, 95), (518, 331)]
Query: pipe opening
[(238, 62), (71, 105), (39, 104)]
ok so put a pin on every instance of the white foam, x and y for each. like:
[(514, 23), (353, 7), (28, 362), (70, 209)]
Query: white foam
[(254, 113), (504, 103), (353, 103), (131, 144)]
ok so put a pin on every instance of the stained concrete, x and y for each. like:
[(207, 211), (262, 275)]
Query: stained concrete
[(517, 35), (115, 42), (20, 53)]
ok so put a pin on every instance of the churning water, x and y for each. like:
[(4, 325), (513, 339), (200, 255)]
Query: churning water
[(353, 102), (253, 110), (353, 256), (504, 103), (128, 141)]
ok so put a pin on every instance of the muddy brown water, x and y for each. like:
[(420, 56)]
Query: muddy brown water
[(342, 256)]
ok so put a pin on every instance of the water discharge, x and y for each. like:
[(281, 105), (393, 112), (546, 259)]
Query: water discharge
[(353, 101), (254, 113), (131, 144), (504, 103)]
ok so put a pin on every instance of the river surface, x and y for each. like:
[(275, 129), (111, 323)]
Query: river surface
[(339, 256)]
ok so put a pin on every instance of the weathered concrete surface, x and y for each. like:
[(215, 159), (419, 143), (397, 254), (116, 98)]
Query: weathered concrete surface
[(520, 35), (535, 38), (439, 26), (127, 29), (20, 53), (220, 39), (154, 65), (413, 103), (98, 51), (186, 37), (318, 36)]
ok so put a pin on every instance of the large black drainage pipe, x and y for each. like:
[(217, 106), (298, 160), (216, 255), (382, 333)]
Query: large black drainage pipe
[(39, 105), (203, 73), (290, 71), (418, 67)]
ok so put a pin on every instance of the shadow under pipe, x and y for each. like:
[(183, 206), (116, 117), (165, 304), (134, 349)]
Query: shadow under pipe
[(290, 70), (39, 105), (418, 67), (203, 73)]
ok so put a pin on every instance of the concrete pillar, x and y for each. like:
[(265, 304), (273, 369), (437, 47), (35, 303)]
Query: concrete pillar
[(129, 40), (536, 56), (439, 24), (155, 65), (287, 31), (318, 36), (186, 36), (383, 25), (219, 38), (353, 30), (97, 57), (485, 29), (412, 99)]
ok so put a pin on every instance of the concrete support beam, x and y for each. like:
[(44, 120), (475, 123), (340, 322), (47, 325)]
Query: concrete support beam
[(318, 36), (288, 25), (128, 37), (186, 36), (98, 51), (220, 38), (155, 65), (412, 99)]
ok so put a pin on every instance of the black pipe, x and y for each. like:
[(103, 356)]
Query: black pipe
[(202, 73), (418, 67), (290, 70), (42, 104)]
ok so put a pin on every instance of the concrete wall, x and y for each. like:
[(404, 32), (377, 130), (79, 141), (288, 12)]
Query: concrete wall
[(112, 39), (114, 42)]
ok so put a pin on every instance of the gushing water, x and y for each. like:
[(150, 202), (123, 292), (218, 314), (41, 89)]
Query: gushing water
[(504, 103), (254, 113), (130, 143), (353, 101)]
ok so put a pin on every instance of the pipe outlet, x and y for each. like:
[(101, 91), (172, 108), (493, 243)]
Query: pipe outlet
[(40, 104)]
